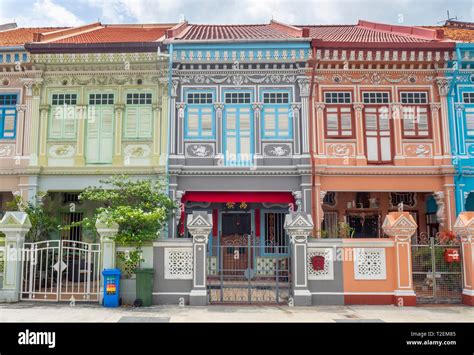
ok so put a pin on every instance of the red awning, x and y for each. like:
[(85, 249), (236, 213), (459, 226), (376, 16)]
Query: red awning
[(226, 196)]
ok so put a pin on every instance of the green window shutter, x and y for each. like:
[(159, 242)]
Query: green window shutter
[(93, 132), (69, 123), (55, 127), (131, 123), (145, 122), (106, 137)]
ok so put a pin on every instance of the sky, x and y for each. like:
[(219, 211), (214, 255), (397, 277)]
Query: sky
[(31, 13)]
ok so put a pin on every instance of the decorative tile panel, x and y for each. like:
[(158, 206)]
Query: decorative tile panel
[(418, 150), (267, 265), (369, 264), (7, 150), (277, 150), (199, 150), (178, 263), (327, 272), (340, 150)]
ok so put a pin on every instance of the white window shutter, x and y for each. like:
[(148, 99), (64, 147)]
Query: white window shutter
[(131, 123), (106, 135), (145, 122), (93, 131), (57, 114)]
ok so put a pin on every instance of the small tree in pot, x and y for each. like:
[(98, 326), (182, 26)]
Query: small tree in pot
[(140, 208)]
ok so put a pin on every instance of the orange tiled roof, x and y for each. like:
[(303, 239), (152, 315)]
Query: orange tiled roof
[(20, 36), (118, 33), (456, 34)]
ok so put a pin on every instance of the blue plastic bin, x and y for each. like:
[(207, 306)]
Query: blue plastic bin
[(111, 287)]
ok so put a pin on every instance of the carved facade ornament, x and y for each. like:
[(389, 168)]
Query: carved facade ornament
[(320, 106), (181, 106), (459, 108), (440, 213), (218, 106), (21, 107), (298, 227), (434, 107), (257, 106), (322, 195), (422, 150), (174, 87), (358, 106), (298, 199), (341, 150), (237, 79), (443, 86), (199, 226), (304, 85), (295, 106), (400, 225)]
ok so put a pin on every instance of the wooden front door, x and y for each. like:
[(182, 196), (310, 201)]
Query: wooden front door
[(378, 135), (236, 246)]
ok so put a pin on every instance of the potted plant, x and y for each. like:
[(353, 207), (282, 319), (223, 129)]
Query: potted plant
[(141, 209)]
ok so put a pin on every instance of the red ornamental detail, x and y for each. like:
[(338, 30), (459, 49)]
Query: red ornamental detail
[(452, 256), (318, 262)]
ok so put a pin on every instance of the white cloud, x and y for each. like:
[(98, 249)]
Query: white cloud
[(39, 13)]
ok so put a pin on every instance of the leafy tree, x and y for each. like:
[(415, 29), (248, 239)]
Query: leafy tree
[(139, 207), (43, 220)]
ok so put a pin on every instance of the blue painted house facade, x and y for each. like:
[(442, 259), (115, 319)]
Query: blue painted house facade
[(460, 101)]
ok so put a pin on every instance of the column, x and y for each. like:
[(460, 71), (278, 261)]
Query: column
[(401, 226), (443, 87), (219, 108), (20, 134), (396, 111), (106, 232), (172, 108), (295, 109), (449, 202), (304, 85), (15, 226), (298, 227), (181, 107), (117, 158), (32, 129), (80, 134), (319, 143), (43, 135), (257, 108), (464, 227), (361, 158), (459, 129), (441, 212), (199, 226), (157, 135)]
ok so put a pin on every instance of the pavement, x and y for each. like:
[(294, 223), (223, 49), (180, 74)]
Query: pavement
[(63, 312)]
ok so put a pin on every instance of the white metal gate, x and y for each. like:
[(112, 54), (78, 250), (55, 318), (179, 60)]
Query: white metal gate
[(60, 270)]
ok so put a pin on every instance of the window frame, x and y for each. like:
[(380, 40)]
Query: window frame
[(416, 124), (3, 115), (51, 113), (275, 107), (200, 107), (137, 106), (378, 106)]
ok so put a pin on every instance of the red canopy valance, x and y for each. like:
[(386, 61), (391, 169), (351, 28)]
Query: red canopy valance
[(234, 196)]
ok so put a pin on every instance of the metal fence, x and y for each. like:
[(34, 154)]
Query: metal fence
[(243, 271), (437, 272), (60, 270)]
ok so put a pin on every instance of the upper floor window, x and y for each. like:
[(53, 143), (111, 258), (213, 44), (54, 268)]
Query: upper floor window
[(375, 97), (62, 124), (470, 121), (101, 99), (199, 98), (415, 114), (8, 115), (139, 99), (338, 114), (468, 97), (138, 123), (199, 118), (337, 97), (237, 97), (277, 122)]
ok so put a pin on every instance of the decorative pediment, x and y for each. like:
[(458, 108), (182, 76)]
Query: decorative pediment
[(399, 224), (106, 228), (199, 225), (464, 225), (298, 224), (15, 220)]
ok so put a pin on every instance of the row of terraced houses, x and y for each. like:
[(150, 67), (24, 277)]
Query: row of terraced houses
[(285, 147)]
